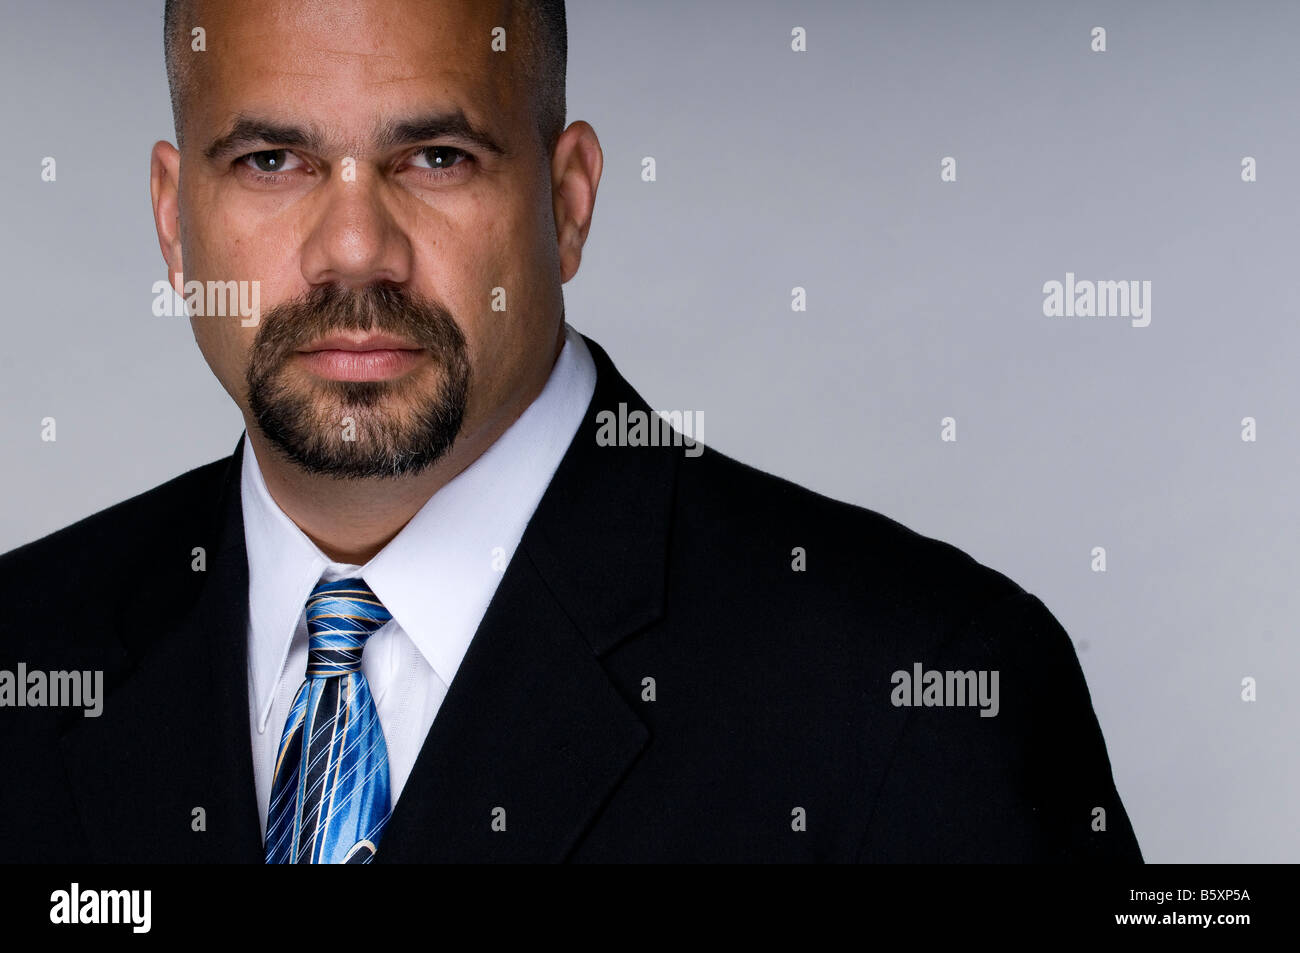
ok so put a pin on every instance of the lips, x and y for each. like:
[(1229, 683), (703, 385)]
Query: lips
[(362, 357), (362, 342)]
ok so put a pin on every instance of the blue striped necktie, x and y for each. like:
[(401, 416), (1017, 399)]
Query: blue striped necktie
[(329, 793)]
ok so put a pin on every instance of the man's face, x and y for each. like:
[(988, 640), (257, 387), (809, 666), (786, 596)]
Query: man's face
[(358, 218)]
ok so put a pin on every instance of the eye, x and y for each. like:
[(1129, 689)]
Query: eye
[(269, 164), (441, 161)]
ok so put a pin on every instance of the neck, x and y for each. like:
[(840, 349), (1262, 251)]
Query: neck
[(352, 520)]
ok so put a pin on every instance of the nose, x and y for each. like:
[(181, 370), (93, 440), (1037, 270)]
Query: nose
[(354, 240)]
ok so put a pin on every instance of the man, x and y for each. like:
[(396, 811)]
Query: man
[(436, 606)]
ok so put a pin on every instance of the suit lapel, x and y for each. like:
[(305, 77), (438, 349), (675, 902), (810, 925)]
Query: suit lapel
[(173, 737), (533, 737), (528, 743)]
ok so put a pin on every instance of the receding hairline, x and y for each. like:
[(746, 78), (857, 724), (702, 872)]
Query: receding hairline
[(545, 42)]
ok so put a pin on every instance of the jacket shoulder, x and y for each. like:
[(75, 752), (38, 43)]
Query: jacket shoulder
[(827, 546), (811, 598), (71, 565)]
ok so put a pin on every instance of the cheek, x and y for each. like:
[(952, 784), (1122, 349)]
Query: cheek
[(511, 254), (225, 345), (223, 249), (471, 274), (224, 243)]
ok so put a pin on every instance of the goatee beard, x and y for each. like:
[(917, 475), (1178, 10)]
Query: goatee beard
[(358, 429)]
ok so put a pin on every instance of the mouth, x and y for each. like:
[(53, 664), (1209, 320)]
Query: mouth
[(360, 342), (363, 357)]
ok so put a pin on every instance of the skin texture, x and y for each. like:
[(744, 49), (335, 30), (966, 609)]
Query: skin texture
[(517, 221)]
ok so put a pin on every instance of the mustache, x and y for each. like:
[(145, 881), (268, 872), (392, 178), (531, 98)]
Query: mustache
[(382, 308)]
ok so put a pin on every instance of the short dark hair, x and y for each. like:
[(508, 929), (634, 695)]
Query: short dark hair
[(547, 55)]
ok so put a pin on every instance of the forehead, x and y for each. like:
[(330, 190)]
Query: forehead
[(350, 63)]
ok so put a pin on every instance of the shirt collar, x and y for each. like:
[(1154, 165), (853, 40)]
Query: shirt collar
[(439, 573)]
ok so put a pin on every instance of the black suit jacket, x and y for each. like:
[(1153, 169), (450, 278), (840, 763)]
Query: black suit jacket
[(771, 736)]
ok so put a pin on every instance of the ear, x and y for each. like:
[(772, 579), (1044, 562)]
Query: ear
[(164, 189), (576, 165)]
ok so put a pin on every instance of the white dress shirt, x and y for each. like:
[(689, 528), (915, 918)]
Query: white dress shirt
[(436, 577)]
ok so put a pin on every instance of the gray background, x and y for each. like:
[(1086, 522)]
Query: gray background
[(821, 170)]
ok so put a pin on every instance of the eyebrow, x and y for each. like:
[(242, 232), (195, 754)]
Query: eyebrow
[(250, 131), (436, 125)]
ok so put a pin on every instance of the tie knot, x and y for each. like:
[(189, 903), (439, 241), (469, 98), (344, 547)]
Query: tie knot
[(341, 615)]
